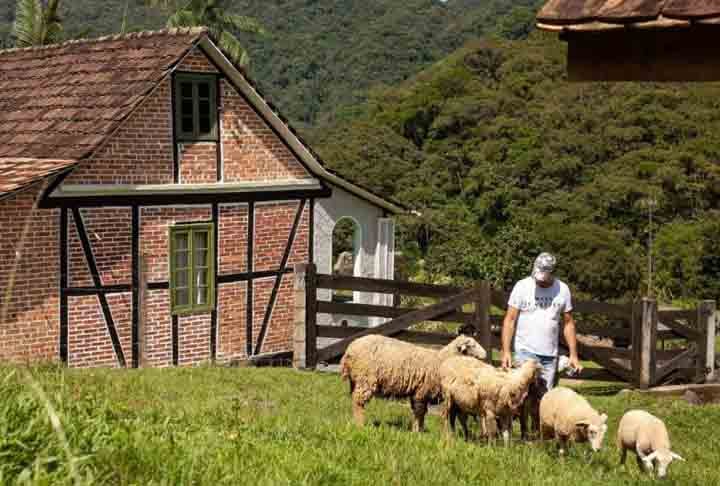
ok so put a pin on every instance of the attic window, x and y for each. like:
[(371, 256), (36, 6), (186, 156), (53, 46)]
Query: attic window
[(195, 107)]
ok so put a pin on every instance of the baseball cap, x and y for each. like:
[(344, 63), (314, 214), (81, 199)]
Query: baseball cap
[(543, 267)]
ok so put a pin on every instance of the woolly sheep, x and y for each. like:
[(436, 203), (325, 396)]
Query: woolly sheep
[(385, 367), (481, 390), (648, 437), (567, 416)]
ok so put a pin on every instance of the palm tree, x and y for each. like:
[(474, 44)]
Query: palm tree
[(213, 15), (37, 23)]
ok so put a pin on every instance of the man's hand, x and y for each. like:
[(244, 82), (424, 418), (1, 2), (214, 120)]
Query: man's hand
[(575, 364), (506, 361)]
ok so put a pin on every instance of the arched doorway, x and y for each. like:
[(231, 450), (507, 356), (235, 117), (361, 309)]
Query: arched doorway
[(346, 253)]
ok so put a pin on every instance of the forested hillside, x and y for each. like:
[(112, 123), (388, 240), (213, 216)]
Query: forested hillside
[(504, 158), (320, 54)]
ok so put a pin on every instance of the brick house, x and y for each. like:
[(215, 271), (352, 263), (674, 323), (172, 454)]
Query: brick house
[(153, 204)]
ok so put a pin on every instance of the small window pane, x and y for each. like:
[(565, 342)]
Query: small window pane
[(201, 277), (187, 124), (181, 297), (201, 258), (204, 108), (186, 107), (181, 260), (186, 90), (181, 241), (204, 126), (201, 295), (181, 279), (200, 240), (203, 90)]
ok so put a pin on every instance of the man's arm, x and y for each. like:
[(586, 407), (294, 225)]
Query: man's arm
[(508, 330), (571, 340)]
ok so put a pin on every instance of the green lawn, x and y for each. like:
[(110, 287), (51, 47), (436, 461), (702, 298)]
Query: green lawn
[(278, 426)]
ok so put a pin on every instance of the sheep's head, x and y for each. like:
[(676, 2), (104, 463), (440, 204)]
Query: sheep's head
[(467, 346), (661, 458), (594, 431)]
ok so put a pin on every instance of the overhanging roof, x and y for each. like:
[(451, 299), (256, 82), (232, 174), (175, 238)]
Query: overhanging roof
[(637, 40)]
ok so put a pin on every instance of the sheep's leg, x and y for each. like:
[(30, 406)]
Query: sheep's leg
[(360, 397), (562, 444), (524, 420), (464, 424), (623, 456), (506, 427), (419, 408), (491, 427), (449, 414)]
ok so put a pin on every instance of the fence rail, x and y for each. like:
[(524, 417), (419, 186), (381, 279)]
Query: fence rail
[(642, 325)]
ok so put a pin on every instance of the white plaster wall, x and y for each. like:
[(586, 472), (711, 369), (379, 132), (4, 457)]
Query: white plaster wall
[(327, 213)]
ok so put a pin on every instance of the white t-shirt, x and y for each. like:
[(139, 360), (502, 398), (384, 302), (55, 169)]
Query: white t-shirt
[(541, 311)]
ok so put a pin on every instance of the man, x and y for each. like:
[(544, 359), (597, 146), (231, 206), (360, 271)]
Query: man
[(538, 303)]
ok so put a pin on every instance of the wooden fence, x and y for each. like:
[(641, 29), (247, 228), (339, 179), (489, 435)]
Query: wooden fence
[(643, 362)]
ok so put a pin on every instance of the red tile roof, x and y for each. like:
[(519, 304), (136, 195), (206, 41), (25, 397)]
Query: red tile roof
[(62, 101), (18, 173), (590, 15)]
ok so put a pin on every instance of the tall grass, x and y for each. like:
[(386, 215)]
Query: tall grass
[(275, 426)]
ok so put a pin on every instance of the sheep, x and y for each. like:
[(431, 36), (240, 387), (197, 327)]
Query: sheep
[(481, 390), (385, 367), (647, 435), (566, 415)]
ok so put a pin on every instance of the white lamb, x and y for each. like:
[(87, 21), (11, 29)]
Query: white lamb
[(648, 437), (567, 416)]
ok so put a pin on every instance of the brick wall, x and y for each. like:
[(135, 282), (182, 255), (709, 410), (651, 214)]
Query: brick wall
[(232, 237), (110, 232), (29, 280), (196, 61), (198, 162), (251, 150), (89, 342), (232, 321), (140, 152)]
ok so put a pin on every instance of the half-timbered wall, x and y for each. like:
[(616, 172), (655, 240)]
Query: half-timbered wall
[(92, 280)]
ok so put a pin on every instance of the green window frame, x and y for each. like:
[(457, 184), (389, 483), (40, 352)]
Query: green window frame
[(192, 268), (195, 107)]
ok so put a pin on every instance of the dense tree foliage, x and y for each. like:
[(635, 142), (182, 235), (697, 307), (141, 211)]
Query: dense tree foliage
[(503, 158)]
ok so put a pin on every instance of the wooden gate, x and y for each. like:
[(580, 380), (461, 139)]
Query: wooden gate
[(628, 340)]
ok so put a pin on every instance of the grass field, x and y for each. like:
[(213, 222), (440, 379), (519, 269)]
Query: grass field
[(277, 426)]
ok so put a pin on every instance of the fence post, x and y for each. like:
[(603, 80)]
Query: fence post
[(706, 340), (305, 317), (645, 345), (482, 318)]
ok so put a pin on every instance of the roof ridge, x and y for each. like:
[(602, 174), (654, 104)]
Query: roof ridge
[(175, 31)]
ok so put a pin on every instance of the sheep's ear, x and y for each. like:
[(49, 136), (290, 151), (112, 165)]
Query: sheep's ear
[(603, 418), (463, 347), (677, 457), (650, 457)]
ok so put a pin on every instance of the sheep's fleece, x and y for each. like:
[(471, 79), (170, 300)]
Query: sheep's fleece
[(385, 367)]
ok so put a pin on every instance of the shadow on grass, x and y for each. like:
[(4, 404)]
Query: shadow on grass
[(603, 390), (396, 423)]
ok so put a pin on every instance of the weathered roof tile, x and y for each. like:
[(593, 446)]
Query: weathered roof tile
[(596, 15)]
